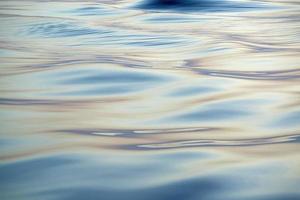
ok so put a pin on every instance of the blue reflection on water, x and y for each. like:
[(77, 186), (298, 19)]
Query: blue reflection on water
[(113, 78), (168, 99), (198, 5), (211, 115), (89, 11), (291, 119), (194, 90), (63, 177), (66, 29)]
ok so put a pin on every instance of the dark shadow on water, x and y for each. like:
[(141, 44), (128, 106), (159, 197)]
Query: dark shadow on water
[(198, 5)]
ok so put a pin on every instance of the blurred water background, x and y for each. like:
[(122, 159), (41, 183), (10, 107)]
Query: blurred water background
[(149, 99)]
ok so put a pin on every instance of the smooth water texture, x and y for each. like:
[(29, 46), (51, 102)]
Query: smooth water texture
[(150, 100)]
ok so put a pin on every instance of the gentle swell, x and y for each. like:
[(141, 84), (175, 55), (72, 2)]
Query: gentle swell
[(149, 99)]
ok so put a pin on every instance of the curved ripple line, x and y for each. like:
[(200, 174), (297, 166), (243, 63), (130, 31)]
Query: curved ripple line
[(135, 132), (222, 143), (252, 75), (53, 102)]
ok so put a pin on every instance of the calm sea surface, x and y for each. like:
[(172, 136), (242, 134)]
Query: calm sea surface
[(149, 100)]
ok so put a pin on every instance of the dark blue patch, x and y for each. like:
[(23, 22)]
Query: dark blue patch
[(197, 5)]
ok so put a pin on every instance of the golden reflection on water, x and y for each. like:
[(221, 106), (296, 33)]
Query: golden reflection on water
[(107, 92)]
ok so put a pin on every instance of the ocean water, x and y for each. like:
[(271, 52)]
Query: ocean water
[(149, 99)]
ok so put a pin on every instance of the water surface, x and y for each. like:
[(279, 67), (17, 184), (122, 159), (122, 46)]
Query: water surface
[(149, 99)]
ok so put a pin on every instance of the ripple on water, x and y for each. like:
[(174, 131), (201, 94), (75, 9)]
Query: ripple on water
[(149, 99), (62, 29)]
